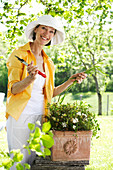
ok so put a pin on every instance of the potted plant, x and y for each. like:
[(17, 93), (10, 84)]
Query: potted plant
[(73, 126)]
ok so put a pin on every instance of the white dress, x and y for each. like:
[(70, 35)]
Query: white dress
[(36, 103), (17, 131)]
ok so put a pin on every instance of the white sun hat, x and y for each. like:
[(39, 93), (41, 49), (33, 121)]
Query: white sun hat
[(50, 21)]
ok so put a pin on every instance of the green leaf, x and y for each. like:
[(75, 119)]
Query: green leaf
[(19, 166), (27, 166), (37, 132), (62, 99), (47, 151), (7, 163), (0, 33), (50, 134), (1, 57), (21, 28), (47, 141), (19, 33), (46, 127), (20, 14), (31, 126), (37, 147), (14, 151), (18, 157), (35, 141), (99, 69), (89, 70)]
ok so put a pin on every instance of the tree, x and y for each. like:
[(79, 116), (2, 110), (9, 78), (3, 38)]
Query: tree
[(90, 15), (90, 39)]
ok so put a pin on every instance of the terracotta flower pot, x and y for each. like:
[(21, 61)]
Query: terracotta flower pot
[(71, 146)]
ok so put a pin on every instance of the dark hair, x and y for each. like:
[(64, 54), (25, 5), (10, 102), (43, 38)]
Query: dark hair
[(34, 36)]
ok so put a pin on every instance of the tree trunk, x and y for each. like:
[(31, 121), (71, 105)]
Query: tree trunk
[(94, 76), (99, 104), (99, 95)]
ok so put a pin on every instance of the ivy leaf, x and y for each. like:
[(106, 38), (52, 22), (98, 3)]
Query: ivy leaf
[(19, 166), (46, 127), (50, 134), (35, 147), (47, 141), (37, 132), (31, 126), (7, 163), (27, 166), (47, 152), (35, 141), (18, 157)]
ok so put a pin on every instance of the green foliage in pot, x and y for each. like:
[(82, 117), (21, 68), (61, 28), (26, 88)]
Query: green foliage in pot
[(72, 117), (36, 139)]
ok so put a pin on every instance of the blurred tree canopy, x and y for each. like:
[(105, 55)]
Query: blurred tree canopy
[(89, 37)]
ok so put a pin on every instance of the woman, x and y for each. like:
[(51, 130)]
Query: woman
[(29, 92)]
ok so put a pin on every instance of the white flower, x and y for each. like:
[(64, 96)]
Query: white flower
[(38, 123), (64, 124), (86, 119), (84, 115), (75, 120), (79, 113), (74, 126)]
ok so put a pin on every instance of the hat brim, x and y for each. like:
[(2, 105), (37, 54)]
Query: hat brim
[(57, 39)]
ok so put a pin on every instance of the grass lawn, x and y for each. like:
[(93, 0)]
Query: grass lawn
[(92, 99), (101, 157), (3, 137)]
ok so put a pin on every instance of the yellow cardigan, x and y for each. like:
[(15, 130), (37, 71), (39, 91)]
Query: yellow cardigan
[(17, 71)]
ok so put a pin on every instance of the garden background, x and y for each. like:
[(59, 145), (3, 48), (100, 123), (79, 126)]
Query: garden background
[(88, 25)]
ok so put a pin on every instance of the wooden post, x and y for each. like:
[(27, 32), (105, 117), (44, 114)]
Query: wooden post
[(81, 97)]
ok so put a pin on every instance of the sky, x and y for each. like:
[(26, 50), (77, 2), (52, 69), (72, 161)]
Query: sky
[(36, 8)]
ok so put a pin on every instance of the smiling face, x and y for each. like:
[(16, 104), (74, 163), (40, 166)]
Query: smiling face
[(44, 34)]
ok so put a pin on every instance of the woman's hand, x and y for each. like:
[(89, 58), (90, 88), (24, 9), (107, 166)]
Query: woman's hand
[(32, 70), (20, 86), (75, 77), (79, 77)]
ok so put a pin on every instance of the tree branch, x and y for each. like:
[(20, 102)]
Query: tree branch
[(85, 65), (90, 51), (18, 12)]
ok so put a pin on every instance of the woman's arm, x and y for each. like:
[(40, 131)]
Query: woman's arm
[(20, 86), (76, 77)]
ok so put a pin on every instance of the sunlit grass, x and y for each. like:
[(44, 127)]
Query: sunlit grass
[(92, 99), (101, 157), (3, 137)]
